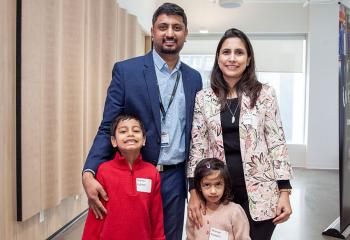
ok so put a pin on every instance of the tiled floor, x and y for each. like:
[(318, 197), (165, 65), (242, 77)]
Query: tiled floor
[(315, 202)]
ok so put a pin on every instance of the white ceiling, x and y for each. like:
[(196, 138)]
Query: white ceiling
[(253, 16)]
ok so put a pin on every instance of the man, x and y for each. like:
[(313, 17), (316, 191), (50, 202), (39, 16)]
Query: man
[(160, 90)]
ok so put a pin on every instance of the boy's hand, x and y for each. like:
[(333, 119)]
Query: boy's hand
[(195, 209), (93, 190)]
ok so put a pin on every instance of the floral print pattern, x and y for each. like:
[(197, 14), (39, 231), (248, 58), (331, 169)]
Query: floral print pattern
[(263, 146)]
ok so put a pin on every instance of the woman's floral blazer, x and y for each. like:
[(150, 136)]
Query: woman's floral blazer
[(263, 146)]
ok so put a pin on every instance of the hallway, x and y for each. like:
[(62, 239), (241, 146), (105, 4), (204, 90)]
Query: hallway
[(315, 202)]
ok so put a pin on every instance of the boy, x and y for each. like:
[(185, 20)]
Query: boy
[(133, 187)]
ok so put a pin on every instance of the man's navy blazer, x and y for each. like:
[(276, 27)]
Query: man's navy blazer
[(134, 90)]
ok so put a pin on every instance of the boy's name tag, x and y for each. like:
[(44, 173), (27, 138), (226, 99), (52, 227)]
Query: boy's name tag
[(143, 185), (217, 234)]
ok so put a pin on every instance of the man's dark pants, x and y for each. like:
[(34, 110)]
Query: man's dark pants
[(173, 190)]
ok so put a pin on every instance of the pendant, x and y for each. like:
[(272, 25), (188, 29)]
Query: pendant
[(233, 119)]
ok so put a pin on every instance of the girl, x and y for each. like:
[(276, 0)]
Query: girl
[(223, 219)]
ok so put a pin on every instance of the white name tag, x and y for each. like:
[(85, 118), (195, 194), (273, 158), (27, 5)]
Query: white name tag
[(250, 119), (143, 185), (255, 122), (247, 118), (217, 234)]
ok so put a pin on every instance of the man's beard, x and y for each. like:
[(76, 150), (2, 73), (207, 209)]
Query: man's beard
[(169, 51), (165, 50)]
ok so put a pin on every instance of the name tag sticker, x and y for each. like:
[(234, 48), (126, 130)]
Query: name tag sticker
[(143, 185), (255, 122), (217, 234), (247, 119)]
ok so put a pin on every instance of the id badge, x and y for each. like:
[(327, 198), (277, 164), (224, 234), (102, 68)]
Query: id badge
[(165, 139), (217, 234)]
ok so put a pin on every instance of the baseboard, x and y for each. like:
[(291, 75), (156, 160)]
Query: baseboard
[(63, 229)]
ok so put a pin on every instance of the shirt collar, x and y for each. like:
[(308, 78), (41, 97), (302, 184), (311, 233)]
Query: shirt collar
[(161, 65), (122, 163)]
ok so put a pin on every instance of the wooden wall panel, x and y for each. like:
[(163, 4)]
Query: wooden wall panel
[(148, 43), (30, 129), (109, 17), (52, 102), (49, 108), (130, 35), (140, 41), (71, 97), (44, 65), (100, 56), (121, 32), (92, 104), (7, 118)]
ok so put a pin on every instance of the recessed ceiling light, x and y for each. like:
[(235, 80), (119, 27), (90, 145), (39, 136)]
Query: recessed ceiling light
[(203, 30)]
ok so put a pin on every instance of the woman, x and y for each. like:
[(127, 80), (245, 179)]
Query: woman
[(237, 121)]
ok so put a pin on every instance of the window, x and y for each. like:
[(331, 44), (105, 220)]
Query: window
[(290, 91), (203, 64), (280, 62)]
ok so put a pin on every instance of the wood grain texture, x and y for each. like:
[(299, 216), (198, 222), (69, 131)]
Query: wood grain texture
[(88, 61), (7, 118)]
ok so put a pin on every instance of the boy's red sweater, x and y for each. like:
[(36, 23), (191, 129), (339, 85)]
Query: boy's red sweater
[(131, 214)]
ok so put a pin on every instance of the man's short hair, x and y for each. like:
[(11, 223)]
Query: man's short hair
[(170, 9)]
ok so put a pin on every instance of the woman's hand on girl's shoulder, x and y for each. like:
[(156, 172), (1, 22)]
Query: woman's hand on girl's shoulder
[(195, 209)]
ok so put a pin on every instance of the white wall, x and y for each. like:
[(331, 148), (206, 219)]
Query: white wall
[(322, 131), (142, 9)]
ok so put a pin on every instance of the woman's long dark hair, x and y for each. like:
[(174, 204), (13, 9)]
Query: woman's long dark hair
[(248, 84)]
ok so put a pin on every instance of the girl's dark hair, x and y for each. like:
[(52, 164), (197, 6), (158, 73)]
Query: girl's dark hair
[(123, 117), (205, 168), (170, 9), (248, 83)]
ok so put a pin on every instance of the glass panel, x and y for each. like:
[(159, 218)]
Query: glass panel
[(290, 91), (202, 63), (289, 87)]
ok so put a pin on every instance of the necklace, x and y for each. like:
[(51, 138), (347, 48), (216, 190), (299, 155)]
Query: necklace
[(233, 114)]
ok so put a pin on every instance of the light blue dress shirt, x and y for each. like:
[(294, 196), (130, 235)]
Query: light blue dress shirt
[(174, 124)]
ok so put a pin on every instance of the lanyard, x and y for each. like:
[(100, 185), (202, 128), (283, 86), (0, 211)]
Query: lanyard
[(171, 98)]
